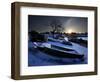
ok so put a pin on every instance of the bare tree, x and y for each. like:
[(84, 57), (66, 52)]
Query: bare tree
[(56, 26)]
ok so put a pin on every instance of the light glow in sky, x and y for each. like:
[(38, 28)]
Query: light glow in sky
[(70, 24), (69, 31)]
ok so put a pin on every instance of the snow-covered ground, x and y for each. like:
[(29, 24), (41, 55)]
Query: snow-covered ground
[(83, 38), (38, 58)]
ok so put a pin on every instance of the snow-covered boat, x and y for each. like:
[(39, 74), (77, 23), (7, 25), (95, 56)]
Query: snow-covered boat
[(58, 51), (63, 41)]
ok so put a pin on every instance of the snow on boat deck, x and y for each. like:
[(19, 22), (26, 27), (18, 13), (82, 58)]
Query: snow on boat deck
[(38, 58)]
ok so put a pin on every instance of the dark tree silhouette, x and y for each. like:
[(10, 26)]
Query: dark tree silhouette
[(36, 37), (56, 26)]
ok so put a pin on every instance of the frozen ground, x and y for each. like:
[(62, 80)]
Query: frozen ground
[(38, 58)]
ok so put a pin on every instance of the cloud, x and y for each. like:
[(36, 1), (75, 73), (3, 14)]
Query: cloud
[(77, 24), (71, 22)]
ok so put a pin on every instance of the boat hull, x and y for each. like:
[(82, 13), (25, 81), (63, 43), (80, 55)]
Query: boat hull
[(58, 53)]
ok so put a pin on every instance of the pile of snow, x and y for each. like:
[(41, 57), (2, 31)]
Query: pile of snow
[(83, 38), (66, 39), (46, 45)]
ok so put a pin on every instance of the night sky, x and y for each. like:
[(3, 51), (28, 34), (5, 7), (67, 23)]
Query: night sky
[(42, 23)]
